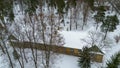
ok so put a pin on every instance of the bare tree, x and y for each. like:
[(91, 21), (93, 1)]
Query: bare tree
[(94, 38), (1, 31), (4, 39), (85, 14), (17, 31)]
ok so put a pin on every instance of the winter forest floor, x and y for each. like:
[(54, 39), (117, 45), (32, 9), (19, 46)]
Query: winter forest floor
[(74, 38)]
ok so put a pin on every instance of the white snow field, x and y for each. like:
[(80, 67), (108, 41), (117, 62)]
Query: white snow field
[(73, 39)]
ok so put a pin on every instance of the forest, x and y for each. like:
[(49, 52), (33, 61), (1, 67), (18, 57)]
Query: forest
[(85, 27)]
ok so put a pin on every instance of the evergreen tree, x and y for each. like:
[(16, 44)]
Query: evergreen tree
[(6, 10), (84, 60), (100, 16), (31, 6), (114, 62), (110, 23), (90, 3)]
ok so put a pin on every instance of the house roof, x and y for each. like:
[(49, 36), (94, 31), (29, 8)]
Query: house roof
[(95, 48)]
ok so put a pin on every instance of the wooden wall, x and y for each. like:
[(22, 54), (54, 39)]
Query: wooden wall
[(56, 49)]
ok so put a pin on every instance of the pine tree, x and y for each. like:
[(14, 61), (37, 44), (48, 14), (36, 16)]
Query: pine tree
[(84, 60), (109, 24), (90, 3), (100, 16), (6, 10), (114, 62)]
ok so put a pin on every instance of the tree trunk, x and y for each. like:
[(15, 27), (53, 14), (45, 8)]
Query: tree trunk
[(71, 20), (7, 52), (2, 49)]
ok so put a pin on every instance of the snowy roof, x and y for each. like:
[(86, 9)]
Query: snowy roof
[(74, 39), (95, 48)]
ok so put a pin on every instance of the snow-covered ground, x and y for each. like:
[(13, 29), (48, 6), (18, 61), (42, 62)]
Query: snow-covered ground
[(67, 62), (75, 39)]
